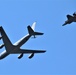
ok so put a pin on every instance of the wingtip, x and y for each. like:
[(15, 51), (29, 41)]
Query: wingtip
[(42, 33), (45, 51)]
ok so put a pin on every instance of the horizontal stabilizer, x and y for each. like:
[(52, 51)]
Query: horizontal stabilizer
[(31, 30), (38, 33)]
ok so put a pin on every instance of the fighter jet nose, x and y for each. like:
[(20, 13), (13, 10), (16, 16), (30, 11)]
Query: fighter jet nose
[(63, 25)]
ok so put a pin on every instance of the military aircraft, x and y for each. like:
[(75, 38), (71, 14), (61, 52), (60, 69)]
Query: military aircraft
[(70, 19), (15, 48)]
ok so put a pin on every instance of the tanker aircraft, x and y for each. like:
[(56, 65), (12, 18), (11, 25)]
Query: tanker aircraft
[(15, 48)]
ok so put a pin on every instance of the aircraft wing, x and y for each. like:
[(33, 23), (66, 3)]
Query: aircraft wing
[(32, 51), (69, 16), (7, 43), (28, 51)]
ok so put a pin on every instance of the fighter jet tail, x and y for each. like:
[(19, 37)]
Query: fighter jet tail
[(31, 30)]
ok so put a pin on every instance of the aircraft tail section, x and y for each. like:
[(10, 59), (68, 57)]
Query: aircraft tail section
[(7, 43), (31, 30)]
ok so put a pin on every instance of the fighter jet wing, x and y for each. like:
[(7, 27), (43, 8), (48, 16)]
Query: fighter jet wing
[(69, 16)]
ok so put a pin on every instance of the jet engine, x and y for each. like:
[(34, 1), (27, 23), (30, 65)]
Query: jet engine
[(1, 46), (34, 36), (0, 37), (20, 56), (31, 55)]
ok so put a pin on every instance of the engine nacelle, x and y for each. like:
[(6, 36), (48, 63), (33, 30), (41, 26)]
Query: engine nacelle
[(20, 56), (0, 37), (31, 55), (1, 46), (34, 36)]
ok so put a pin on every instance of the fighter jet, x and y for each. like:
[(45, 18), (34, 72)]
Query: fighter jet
[(70, 19), (15, 48)]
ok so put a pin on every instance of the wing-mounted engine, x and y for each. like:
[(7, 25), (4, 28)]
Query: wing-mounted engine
[(20, 56), (1, 46), (31, 55), (33, 36)]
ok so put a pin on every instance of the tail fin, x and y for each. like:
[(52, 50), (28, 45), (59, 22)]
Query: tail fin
[(33, 26), (31, 30)]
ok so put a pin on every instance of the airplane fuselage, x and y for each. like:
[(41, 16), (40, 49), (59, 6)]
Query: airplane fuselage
[(22, 40), (73, 19)]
